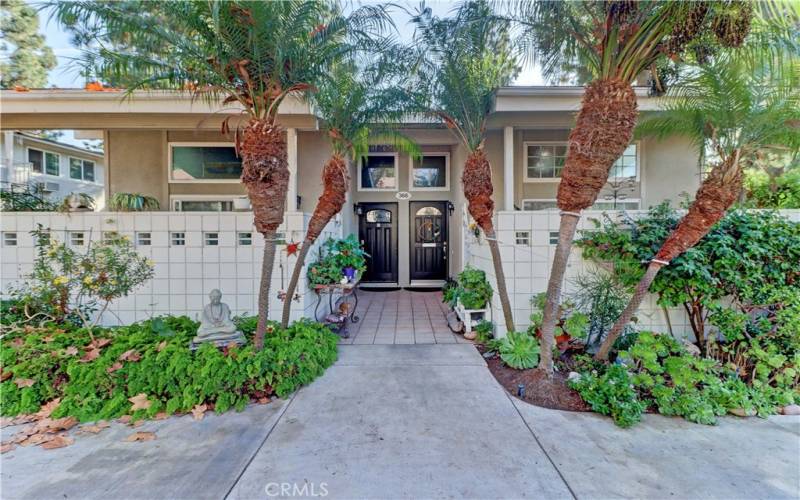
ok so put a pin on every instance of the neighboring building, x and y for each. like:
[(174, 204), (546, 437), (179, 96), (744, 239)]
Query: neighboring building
[(54, 169)]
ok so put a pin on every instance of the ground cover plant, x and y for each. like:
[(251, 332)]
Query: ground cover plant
[(147, 368)]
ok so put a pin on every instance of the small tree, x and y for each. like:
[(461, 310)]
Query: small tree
[(30, 60)]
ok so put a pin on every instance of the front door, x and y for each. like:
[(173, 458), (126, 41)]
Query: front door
[(428, 256), (377, 230)]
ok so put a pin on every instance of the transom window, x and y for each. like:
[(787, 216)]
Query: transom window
[(204, 163), (379, 172), (44, 161), (430, 172), (202, 205), (81, 169), (545, 161)]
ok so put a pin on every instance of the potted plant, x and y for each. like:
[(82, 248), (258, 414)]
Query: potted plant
[(472, 295), (340, 260)]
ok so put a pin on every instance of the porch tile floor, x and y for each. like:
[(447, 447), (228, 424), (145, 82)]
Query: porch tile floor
[(401, 317)]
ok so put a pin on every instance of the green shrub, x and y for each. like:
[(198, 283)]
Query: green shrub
[(518, 350), (471, 288), (152, 357), (611, 393), (334, 256), (484, 331)]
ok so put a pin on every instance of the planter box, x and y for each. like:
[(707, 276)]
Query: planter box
[(471, 317)]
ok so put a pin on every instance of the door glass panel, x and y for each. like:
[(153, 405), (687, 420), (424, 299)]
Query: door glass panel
[(379, 216), (429, 211)]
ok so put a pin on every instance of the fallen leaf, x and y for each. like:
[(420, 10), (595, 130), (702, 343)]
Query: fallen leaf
[(35, 439), (161, 346), (95, 428), (48, 408), (48, 339), (199, 411), (6, 447), (55, 425), (130, 355), (58, 441), (116, 366), (141, 436), (17, 342), (140, 402), (90, 355), (124, 419), (6, 421), (71, 351), (161, 415), (99, 343), (21, 88), (4, 375), (24, 382), (136, 424)]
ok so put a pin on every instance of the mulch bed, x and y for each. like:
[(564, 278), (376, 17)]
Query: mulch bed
[(539, 390)]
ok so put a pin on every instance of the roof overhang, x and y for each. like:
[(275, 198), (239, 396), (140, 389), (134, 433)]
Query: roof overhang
[(556, 98)]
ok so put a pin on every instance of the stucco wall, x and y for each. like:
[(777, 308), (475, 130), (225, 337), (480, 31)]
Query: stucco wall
[(136, 163), (670, 169)]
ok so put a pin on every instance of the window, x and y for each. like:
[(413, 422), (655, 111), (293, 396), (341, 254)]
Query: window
[(143, 239), (194, 162), (539, 204), (627, 164), (431, 172), (616, 205), (379, 216), (9, 239), (76, 238), (203, 205), (81, 169), (378, 171), (245, 239), (523, 238), (554, 237), (212, 239), (178, 239), (51, 161), (544, 161), (36, 159), (44, 162)]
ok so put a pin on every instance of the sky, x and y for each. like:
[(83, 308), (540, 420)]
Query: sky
[(66, 74)]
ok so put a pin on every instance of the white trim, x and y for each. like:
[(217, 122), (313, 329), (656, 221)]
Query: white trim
[(446, 187), (638, 201), (201, 144), (44, 152), (381, 190), (535, 180), (82, 160), (508, 168)]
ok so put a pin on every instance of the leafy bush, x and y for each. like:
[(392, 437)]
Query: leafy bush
[(132, 202), (611, 393), (518, 350), (773, 191), (334, 256), (571, 322), (95, 380), (484, 330), (471, 288)]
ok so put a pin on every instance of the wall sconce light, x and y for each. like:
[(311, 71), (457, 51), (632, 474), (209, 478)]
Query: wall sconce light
[(450, 208), (358, 210)]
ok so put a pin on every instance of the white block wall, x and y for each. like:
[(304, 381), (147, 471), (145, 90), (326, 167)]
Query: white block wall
[(184, 275), (527, 267)]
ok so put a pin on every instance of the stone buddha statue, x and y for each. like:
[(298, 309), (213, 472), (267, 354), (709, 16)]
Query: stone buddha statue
[(216, 325)]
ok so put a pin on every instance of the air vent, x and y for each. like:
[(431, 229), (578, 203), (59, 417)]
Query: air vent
[(48, 187)]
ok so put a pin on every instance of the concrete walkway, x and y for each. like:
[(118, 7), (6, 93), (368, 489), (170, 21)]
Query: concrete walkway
[(415, 421)]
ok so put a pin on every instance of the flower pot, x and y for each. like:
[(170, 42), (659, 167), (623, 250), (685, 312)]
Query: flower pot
[(349, 273), (242, 203)]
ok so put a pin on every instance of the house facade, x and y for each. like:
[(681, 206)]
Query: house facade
[(409, 212), (50, 167)]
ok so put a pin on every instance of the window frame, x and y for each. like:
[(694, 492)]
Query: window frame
[(83, 169), (202, 197), (411, 186), (44, 152), (638, 201), (183, 144), (523, 200), (396, 187), (535, 180)]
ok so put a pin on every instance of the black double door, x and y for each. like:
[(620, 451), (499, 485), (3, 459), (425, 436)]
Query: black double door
[(377, 230), (428, 252)]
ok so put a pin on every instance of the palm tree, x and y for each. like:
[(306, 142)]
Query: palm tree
[(247, 53), (617, 41), (356, 109), (461, 61), (735, 112)]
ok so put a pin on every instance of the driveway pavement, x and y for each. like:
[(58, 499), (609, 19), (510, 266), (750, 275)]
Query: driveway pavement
[(414, 421)]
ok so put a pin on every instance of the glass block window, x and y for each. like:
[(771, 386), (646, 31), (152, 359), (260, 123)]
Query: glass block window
[(178, 239), (81, 169), (523, 238), (77, 238), (211, 239), (378, 172), (539, 204), (430, 172), (9, 239), (627, 164), (204, 163), (553, 237), (245, 239), (143, 239), (545, 161)]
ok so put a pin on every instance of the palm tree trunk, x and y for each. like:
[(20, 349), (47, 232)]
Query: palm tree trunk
[(603, 130), (267, 265), (334, 180), (265, 175), (478, 189), (716, 194)]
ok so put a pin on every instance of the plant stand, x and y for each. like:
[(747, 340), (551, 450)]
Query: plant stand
[(470, 317), (344, 294)]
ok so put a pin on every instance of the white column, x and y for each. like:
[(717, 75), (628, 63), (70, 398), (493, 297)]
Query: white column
[(508, 168), (291, 150)]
